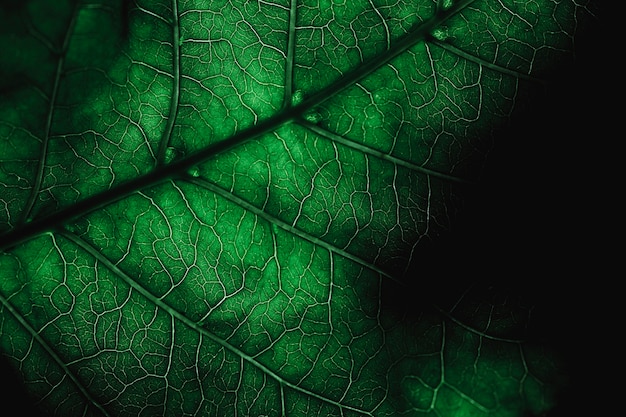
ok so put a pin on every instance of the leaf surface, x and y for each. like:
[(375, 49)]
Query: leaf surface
[(208, 206)]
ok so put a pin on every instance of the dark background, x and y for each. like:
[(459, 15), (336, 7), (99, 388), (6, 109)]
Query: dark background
[(542, 220)]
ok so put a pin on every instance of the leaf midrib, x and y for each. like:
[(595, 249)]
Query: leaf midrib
[(419, 33)]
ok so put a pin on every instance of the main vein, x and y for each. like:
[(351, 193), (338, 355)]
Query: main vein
[(43, 224), (482, 62)]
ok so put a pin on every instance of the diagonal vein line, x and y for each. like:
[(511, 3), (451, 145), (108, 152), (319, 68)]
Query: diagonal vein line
[(378, 154), (480, 61), (284, 225), (91, 250), (44, 224), (469, 399), (420, 32), (473, 330), (50, 351), (34, 192)]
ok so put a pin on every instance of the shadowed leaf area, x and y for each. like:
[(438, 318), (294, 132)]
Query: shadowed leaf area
[(293, 208)]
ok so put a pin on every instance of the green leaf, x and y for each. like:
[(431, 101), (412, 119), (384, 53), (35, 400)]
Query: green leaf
[(225, 208)]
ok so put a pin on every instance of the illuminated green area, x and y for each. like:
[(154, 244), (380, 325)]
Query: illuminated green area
[(205, 205)]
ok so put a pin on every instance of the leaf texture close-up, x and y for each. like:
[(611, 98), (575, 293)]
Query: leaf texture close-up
[(228, 208)]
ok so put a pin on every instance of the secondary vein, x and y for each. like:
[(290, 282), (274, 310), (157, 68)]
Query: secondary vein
[(175, 97), (291, 52), (34, 192), (379, 154), (475, 331), (174, 313), (483, 62), (284, 225), (50, 351), (165, 171)]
